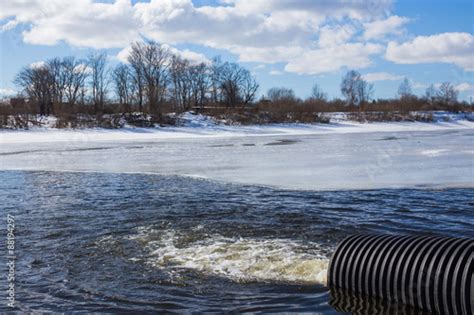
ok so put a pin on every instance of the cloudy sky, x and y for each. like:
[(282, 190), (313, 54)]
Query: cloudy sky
[(292, 43)]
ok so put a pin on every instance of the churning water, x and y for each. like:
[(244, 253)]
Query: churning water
[(116, 243)]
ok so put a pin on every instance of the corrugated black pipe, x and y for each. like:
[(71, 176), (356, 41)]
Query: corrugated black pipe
[(432, 273)]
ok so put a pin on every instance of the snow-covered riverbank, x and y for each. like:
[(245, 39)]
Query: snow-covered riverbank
[(193, 126)]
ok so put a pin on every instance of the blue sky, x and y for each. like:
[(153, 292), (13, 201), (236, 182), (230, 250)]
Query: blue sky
[(292, 43)]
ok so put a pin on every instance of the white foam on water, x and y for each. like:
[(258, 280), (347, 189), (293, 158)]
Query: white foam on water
[(239, 259)]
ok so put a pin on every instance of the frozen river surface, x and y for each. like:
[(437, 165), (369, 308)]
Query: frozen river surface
[(436, 158)]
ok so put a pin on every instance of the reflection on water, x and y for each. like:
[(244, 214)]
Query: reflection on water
[(126, 243), (348, 302)]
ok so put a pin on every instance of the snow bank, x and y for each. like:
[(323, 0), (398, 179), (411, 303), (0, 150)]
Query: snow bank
[(192, 125)]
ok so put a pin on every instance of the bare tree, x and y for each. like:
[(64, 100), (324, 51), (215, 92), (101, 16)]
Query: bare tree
[(238, 87), (190, 83), (405, 89), (230, 83), (38, 84), (317, 94), (281, 94), (75, 74), (216, 70), (136, 60), (199, 79), (431, 94), (56, 68), (349, 87), (365, 91), (154, 63), (123, 83), (356, 90), (447, 93), (99, 81), (181, 82), (249, 88)]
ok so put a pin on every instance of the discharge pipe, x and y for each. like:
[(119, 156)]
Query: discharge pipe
[(430, 273)]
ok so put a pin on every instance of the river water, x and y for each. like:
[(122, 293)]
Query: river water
[(110, 242)]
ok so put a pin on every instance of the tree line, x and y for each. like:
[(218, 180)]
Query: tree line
[(358, 92), (155, 79)]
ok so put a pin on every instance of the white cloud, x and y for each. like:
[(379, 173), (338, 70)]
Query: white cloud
[(335, 35), (308, 36), (455, 48), (4, 92), (37, 64), (275, 72), (329, 59), (267, 55), (464, 87), (265, 31), (81, 23), (192, 56), (382, 76), (419, 85), (380, 28), (122, 55), (337, 8)]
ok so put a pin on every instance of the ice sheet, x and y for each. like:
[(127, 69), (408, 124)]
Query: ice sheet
[(313, 157)]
